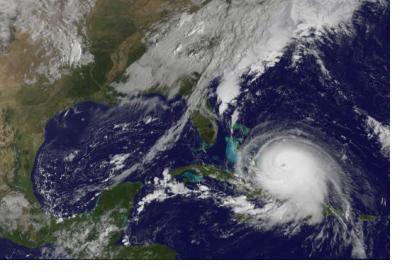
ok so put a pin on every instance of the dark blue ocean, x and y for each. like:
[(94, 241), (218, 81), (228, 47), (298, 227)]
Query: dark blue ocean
[(73, 164)]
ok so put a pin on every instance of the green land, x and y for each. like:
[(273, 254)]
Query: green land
[(204, 170), (116, 30), (96, 234)]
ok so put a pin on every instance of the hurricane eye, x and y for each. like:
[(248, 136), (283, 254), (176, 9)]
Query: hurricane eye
[(294, 170)]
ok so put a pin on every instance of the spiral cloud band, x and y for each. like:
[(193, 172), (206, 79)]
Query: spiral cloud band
[(298, 175)]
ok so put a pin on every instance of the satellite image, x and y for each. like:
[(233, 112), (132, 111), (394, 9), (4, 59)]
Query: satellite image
[(195, 129)]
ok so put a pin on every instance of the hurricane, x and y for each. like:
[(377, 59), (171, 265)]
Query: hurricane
[(299, 175), (212, 129)]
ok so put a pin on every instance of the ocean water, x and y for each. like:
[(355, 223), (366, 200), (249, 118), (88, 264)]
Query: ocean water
[(328, 84)]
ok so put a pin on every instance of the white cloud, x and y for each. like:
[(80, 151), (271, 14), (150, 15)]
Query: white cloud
[(118, 161), (381, 132), (227, 40), (57, 26)]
